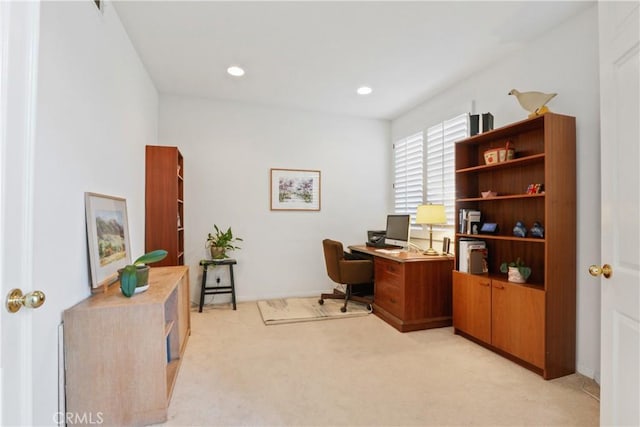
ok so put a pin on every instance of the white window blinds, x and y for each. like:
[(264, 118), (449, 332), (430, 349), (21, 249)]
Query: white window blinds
[(440, 162), (424, 171), (408, 190)]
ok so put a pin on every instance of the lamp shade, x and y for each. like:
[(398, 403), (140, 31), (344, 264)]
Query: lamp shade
[(431, 214)]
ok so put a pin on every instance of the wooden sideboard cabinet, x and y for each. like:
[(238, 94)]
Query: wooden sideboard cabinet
[(412, 291), (122, 355)]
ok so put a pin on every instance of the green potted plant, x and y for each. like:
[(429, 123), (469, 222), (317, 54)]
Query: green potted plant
[(517, 271), (219, 242), (134, 277)]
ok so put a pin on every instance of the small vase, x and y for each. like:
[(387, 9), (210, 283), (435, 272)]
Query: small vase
[(515, 276), (217, 252)]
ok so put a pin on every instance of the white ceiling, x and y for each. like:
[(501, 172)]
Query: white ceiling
[(313, 55)]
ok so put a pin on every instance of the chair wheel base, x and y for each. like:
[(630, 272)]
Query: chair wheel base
[(343, 309), (320, 301)]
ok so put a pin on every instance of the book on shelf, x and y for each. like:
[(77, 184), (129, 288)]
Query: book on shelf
[(464, 247), (466, 218), (478, 260)]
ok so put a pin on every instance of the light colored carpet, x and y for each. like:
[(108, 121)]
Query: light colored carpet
[(290, 310), (358, 372)]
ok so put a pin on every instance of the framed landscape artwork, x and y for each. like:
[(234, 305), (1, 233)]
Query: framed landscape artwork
[(107, 236), (295, 190)]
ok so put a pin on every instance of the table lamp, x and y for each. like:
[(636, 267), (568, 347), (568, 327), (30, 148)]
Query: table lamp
[(431, 214)]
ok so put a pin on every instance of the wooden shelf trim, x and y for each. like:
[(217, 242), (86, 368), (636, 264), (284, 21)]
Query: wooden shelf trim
[(506, 131), (172, 374), (499, 277), (503, 165), (505, 197), (499, 237), (167, 328)]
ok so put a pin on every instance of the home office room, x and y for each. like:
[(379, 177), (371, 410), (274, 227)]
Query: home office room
[(285, 129)]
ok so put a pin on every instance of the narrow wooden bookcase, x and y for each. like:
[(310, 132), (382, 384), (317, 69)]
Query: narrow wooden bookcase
[(122, 355), (164, 203), (533, 323)]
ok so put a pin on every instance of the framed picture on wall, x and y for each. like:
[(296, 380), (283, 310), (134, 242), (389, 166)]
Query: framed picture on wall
[(107, 237), (295, 190)]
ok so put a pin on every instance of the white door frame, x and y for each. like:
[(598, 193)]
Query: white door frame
[(19, 38)]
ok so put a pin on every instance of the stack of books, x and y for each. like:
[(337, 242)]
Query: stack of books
[(473, 256), (469, 220)]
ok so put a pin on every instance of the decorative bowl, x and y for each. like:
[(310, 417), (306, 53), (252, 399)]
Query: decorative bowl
[(488, 193)]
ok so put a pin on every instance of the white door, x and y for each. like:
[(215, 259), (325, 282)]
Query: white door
[(620, 240), (19, 23)]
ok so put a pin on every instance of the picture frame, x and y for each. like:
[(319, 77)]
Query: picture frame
[(295, 190), (107, 237), (446, 245)]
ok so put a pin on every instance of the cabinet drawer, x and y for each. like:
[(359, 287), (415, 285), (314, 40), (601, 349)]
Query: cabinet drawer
[(389, 297), (389, 271)]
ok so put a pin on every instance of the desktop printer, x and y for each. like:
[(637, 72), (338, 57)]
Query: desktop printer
[(376, 238)]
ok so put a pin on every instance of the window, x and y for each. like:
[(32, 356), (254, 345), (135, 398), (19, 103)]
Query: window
[(408, 160), (424, 171), (440, 162)]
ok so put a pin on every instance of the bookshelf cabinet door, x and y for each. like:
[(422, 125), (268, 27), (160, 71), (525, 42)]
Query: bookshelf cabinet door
[(472, 305), (518, 321)]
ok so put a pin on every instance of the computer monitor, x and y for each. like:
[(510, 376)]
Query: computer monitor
[(397, 230)]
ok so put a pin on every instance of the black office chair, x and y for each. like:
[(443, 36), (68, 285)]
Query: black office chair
[(345, 271)]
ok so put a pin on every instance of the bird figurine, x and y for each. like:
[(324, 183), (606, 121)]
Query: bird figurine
[(519, 230), (537, 230), (533, 102)]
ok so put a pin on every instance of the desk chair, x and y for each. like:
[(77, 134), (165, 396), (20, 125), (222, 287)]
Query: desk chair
[(345, 271)]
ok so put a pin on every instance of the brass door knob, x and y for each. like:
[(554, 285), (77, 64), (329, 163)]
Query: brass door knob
[(605, 271), (15, 300)]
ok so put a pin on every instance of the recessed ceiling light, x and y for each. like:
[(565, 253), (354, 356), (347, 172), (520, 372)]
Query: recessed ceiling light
[(364, 90), (235, 71)]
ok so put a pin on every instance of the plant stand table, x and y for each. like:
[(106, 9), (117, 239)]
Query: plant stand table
[(214, 290)]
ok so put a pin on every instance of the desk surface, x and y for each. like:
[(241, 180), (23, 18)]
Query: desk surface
[(398, 255)]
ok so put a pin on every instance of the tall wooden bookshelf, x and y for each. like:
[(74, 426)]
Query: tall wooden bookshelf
[(533, 324), (164, 203)]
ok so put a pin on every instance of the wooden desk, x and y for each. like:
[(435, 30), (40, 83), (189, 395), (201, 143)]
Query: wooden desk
[(412, 291)]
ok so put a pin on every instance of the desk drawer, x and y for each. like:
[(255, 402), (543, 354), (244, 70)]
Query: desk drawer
[(389, 286), (389, 271), (389, 297)]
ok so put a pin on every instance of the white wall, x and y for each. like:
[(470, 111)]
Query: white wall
[(228, 149), (565, 61), (97, 108)]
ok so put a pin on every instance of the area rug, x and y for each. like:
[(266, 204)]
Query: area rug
[(290, 310)]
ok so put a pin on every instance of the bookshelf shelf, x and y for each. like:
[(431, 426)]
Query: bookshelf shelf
[(533, 323), (499, 237), (505, 197), (504, 165)]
